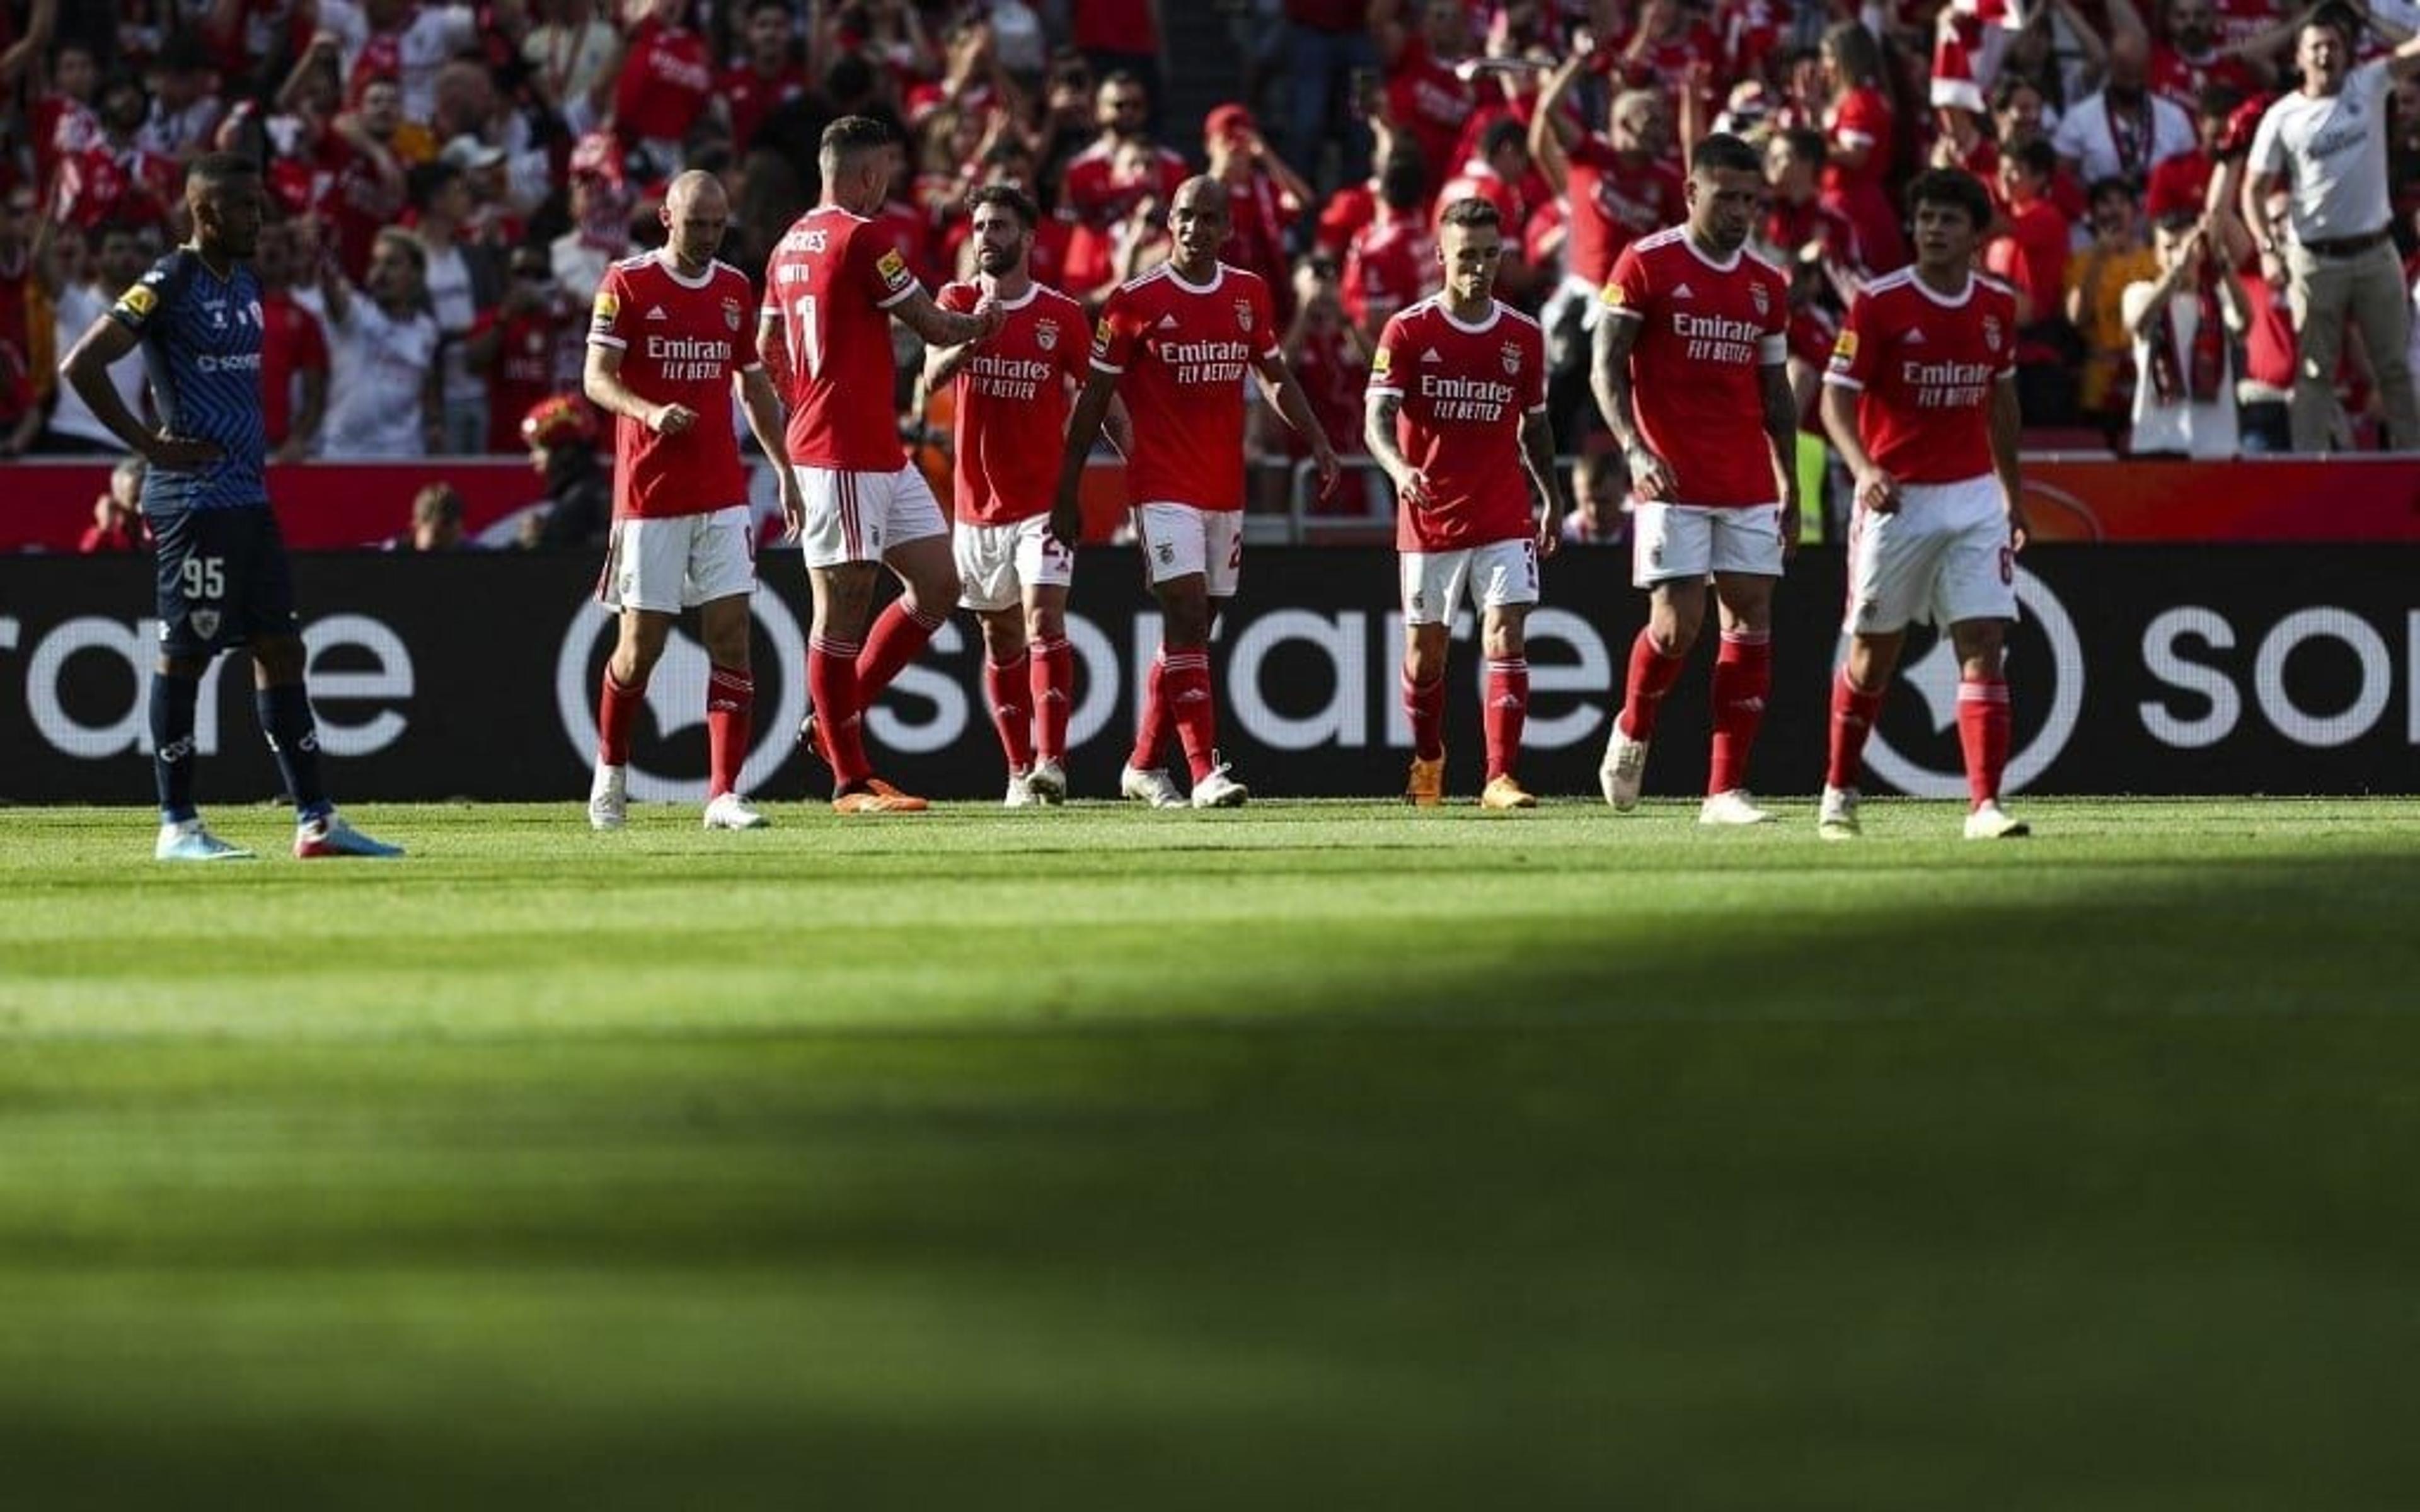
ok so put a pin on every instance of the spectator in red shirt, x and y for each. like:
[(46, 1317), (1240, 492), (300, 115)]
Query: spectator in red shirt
[(1425, 97), (1496, 176), (1392, 261), (1123, 36), (293, 345), (1266, 199), (1667, 45), (527, 347), (2189, 59), (770, 77), (1798, 226), (665, 85), (1860, 142), (2029, 253), (364, 174), (62, 123), (117, 523), (1618, 189), (1092, 192), (1331, 360)]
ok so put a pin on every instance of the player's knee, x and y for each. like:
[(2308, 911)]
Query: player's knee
[(278, 658), (1046, 622), (1004, 637), (1424, 657)]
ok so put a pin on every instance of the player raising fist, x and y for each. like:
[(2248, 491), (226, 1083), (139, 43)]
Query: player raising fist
[(1458, 419)]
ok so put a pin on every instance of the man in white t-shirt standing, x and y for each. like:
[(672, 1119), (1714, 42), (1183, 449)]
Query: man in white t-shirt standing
[(382, 373), (2325, 144)]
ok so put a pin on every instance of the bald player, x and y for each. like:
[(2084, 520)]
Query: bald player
[(667, 345), (1177, 346)]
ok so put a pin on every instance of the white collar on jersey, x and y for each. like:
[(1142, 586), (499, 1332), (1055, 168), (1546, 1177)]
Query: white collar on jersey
[(672, 269), (1947, 301), (1495, 312), (1033, 288), (1699, 253), (1178, 279)]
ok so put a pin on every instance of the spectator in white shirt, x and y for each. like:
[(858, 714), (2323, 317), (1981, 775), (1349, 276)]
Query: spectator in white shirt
[(2125, 129), (2326, 145), (382, 356), (121, 255), (2185, 325)]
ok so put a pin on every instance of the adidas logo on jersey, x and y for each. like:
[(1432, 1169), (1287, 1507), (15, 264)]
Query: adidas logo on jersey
[(1167, 322), (1915, 336), (1431, 356), (656, 311), (1684, 292)]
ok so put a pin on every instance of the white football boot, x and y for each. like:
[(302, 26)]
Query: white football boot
[(609, 797), (1020, 792), (1217, 790), (1152, 787), (1049, 780), (1623, 770), (1837, 818), (1732, 808), (732, 811), (1990, 822)]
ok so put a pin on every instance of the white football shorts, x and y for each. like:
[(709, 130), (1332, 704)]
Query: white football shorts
[(1498, 573), (1670, 541), (672, 564), (1179, 539), (1943, 556), (856, 516), (998, 563)]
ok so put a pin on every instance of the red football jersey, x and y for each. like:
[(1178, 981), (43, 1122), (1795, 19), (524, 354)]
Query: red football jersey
[(291, 344), (830, 289), (1096, 196), (1010, 430), (1342, 217), (666, 84), (1614, 204), (1465, 390), (1924, 365), (751, 97), (1391, 263), (1424, 97), (1182, 353), (1707, 331), (681, 340)]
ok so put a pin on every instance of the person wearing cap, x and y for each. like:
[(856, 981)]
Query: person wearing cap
[(2326, 144), (560, 432), (1267, 196)]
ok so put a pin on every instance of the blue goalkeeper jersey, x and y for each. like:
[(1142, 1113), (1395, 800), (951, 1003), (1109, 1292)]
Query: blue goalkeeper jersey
[(201, 345)]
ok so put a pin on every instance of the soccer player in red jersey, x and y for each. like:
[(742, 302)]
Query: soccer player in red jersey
[(836, 283), (1458, 418), (666, 342), (1921, 400), (1177, 345), (1010, 424), (1691, 373)]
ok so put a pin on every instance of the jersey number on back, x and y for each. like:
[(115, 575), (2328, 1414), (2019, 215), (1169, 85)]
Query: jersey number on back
[(810, 336)]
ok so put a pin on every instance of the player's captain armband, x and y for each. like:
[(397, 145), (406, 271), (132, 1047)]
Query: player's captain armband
[(1611, 295), (139, 300), (893, 267), (609, 309), (1844, 352)]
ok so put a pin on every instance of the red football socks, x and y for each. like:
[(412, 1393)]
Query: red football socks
[(831, 682), (1151, 731), (1652, 675), (1743, 678), (1005, 687), (730, 705), (899, 637), (1186, 692), (1508, 709), (1054, 696), (1853, 711), (617, 711), (1425, 703), (1983, 736)]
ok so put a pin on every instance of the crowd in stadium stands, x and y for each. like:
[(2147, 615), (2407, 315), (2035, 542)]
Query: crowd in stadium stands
[(452, 183)]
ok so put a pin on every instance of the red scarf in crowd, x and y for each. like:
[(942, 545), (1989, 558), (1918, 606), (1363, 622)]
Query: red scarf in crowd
[(2209, 357)]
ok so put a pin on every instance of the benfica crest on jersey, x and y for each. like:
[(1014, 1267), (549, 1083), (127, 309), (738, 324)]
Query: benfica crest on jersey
[(1992, 332), (1512, 355), (1244, 314), (1046, 334), (1758, 297), (730, 314)]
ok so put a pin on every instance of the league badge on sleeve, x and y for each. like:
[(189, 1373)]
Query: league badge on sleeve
[(1844, 352), (1382, 364), (1101, 337), (892, 267), (1611, 296), (139, 300), (607, 310)]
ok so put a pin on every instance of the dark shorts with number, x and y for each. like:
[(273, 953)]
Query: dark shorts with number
[(224, 578)]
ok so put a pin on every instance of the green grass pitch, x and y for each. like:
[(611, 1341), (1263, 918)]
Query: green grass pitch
[(1314, 1155)]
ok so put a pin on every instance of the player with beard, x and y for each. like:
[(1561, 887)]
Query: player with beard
[(1691, 375)]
